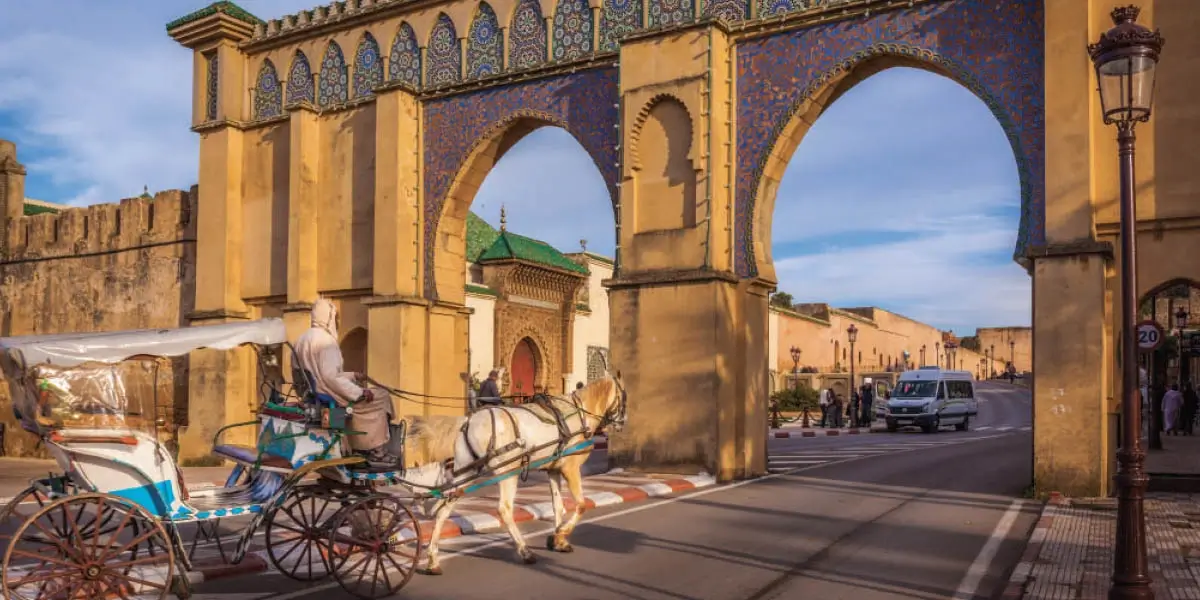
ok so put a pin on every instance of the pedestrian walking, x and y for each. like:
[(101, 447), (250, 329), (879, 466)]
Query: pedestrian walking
[(868, 400), (1172, 404), (489, 390), (824, 402), (1191, 403), (836, 408)]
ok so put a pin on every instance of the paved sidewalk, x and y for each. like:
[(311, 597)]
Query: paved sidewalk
[(1070, 554), (796, 431)]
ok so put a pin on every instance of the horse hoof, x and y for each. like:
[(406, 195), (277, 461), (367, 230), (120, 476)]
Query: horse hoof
[(431, 571), (565, 548)]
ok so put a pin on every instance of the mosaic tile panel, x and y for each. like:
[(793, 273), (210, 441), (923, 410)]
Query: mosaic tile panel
[(300, 80), (573, 29), (332, 82), (665, 13), (368, 67), (527, 36), (268, 94), (485, 44), (212, 88), (730, 10), (443, 55), (404, 63), (618, 19), (993, 47), (583, 103)]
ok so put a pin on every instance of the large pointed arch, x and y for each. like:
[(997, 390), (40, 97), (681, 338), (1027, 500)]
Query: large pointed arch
[(268, 94), (444, 54), (573, 30), (526, 36), (332, 82), (300, 80), (404, 62), (485, 44), (368, 66)]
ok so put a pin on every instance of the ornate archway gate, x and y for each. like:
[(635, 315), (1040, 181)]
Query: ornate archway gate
[(355, 136)]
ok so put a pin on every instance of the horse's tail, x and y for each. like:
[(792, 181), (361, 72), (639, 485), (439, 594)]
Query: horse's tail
[(434, 436)]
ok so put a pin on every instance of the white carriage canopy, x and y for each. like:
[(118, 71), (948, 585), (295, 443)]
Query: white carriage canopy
[(81, 380)]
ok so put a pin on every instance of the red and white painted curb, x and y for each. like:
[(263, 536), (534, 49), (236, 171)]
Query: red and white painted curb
[(472, 522), (489, 520), (1023, 572), (819, 432)]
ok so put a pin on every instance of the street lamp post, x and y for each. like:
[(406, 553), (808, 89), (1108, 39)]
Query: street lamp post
[(922, 355), (937, 352), (1125, 58), (1181, 321), (906, 358), (852, 335)]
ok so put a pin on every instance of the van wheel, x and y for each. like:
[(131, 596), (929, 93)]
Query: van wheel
[(964, 426), (935, 426)]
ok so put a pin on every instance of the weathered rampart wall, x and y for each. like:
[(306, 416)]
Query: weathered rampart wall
[(128, 265)]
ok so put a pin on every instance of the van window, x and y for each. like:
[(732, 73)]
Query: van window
[(914, 389), (942, 391), (959, 389)]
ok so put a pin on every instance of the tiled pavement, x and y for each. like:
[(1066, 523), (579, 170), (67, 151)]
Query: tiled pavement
[(1070, 554)]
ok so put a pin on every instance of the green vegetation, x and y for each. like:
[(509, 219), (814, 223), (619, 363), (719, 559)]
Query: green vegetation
[(798, 399)]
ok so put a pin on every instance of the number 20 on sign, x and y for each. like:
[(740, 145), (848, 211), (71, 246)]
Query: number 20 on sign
[(1149, 335)]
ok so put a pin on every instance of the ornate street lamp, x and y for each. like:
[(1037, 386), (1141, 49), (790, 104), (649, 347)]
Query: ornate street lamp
[(937, 352), (922, 355), (906, 359), (1181, 321), (1012, 353), (1125, 59), (795, 365), (852, 336)]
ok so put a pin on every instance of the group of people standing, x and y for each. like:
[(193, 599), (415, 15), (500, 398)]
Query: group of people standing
[(858, 412)]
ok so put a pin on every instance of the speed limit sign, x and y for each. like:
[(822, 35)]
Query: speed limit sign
[(1149, 335)]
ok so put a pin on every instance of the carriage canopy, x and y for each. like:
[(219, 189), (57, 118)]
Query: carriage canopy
[(82, 380)]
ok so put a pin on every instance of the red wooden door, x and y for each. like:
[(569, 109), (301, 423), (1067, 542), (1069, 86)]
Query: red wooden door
[(524, 369)]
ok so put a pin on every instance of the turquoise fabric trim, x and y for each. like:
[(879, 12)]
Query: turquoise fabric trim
[(157, 498)]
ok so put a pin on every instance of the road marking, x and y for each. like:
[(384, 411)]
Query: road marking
[(1004, 429), (985, 428), (1026, 429), (970, 582)]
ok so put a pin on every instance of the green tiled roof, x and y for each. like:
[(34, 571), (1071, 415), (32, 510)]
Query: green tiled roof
[(224, 6), (34, 209), (480, 237), (481, 290), (509, 245)]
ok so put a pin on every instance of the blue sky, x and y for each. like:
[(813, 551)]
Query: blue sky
[(903, 195)]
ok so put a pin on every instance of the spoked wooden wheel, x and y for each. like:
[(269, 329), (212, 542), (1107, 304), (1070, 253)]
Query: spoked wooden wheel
[(55, 556), (297, 540), (371, 554)]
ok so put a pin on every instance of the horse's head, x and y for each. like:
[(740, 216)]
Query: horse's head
[(604, 400)]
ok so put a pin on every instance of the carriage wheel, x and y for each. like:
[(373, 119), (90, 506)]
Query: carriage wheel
[(371, 554), (132, 556), (32, 499), (296, 538)]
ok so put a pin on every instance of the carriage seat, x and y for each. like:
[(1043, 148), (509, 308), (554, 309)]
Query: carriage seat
[(248, 456)]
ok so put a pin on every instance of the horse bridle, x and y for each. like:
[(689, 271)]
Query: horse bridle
[(607, 418)]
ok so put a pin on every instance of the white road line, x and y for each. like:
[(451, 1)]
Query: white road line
[(1004, 429), (970, 582), (984, 428), (1026, 429), (785, 461)]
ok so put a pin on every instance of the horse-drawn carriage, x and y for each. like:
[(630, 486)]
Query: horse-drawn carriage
[(112, 522)]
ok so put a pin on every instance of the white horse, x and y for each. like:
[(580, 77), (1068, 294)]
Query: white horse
[(508, 433)]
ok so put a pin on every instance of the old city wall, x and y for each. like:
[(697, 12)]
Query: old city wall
[(998, 338), (128, 265)]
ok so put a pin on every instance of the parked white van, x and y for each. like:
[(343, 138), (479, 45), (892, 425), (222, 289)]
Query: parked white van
[(931, 397)]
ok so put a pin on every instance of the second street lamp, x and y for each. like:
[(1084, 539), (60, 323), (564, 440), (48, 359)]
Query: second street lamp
[(1125, 58), (852, 336), (1181, 321)]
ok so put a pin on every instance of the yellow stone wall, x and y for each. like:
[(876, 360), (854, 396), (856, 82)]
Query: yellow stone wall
[(354, 197)]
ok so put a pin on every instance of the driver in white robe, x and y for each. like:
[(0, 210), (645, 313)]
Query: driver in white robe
[(319, 353)]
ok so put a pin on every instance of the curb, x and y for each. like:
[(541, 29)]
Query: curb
[(476, 523), (1023, 573), (486, 522), (807, 433)]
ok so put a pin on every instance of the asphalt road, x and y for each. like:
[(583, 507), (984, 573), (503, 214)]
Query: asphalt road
[(905, 515)]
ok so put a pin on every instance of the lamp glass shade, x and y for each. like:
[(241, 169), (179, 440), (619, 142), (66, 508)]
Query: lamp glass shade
[(852, 333), (1126, 87)]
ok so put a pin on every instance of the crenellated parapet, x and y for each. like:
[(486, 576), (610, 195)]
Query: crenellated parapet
[(133, 223)]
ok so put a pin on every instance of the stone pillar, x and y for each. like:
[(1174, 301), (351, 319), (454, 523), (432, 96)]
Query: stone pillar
[(12, 191), (691, 343), (397, 313), (304, 154), (221, 383)]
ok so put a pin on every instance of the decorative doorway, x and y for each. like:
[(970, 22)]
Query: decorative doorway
[(523, 368)]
